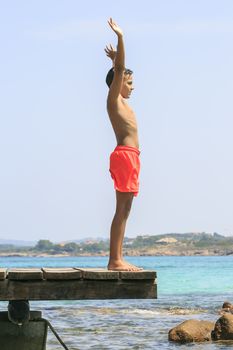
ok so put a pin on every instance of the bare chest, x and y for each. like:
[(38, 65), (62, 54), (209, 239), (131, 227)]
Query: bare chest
[(123, 114)]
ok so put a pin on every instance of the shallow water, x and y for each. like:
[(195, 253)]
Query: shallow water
[(189, 287)]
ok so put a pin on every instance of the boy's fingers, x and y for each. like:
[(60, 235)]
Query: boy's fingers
[(109, 49)]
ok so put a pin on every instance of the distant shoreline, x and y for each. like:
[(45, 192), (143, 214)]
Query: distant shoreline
[(104, 254)]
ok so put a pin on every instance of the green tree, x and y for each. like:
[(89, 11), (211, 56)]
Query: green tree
[(44, 244), (71, 247)]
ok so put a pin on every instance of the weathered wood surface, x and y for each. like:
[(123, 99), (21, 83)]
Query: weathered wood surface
[(76, 283), (99, 274), (63, 273), (140, 275), (3, 274), (25, 274)]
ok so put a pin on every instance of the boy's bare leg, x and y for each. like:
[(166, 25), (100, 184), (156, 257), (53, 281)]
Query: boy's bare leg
[(123, 205)]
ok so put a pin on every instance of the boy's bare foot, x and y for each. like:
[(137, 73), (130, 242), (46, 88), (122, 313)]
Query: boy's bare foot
[(131, 265), (120, 265)]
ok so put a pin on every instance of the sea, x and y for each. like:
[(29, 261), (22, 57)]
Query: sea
[(189, 287)]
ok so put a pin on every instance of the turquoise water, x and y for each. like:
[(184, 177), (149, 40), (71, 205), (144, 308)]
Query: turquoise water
[(188, 287)]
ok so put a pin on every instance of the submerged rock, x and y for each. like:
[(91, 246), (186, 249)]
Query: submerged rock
[(223, 329), (191, 331)]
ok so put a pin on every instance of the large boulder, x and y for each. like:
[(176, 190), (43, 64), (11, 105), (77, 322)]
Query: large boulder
[(223, 329), (191, 331)]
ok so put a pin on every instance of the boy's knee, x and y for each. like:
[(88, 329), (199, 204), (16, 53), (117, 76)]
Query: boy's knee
[(124, 210), (128, 207)]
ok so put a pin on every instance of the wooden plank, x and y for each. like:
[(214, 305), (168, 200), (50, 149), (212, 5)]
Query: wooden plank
[(25, 274), (61, 273), (77, 289), (3, 273), (98, 274), (138, 275)]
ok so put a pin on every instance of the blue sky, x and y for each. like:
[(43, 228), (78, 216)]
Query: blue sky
[(55, 136)]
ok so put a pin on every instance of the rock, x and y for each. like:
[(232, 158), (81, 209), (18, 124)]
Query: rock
[(223, 329), (227, 307), (166, 240), (191, 331)]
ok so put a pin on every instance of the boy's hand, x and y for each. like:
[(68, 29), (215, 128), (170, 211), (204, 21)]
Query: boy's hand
[(115, 28), (110, 52)]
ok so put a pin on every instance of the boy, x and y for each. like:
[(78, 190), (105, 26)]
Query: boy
[(124, 160)]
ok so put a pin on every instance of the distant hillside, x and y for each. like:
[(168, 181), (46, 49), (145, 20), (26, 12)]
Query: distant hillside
[(16, 242), (200, 243)]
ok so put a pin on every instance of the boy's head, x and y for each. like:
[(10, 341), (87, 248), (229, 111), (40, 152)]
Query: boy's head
[(127, 84)]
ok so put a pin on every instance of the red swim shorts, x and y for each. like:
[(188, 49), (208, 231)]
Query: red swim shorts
[(124, 169)]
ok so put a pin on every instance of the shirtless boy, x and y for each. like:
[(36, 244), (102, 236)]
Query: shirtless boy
[(124, 160)]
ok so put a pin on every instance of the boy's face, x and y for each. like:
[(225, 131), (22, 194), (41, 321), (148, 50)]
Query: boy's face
[(127, 86)]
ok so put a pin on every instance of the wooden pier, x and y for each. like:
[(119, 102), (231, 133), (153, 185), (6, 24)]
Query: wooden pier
[(23, 329), (74, 283)]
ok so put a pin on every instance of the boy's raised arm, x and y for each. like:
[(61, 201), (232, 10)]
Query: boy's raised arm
[(119, 63)]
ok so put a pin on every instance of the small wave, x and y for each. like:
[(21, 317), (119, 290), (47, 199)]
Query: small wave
[(164, 310), (183, 311), (142, 312), (167, 311)]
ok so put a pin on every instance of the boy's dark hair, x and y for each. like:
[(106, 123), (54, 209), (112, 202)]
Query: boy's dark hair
[(110, 75)]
